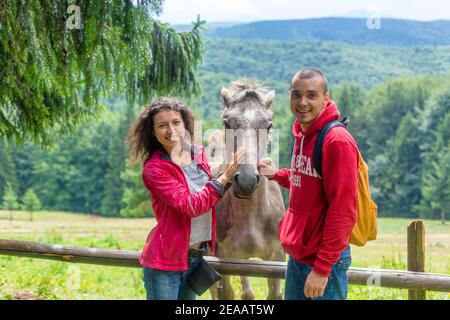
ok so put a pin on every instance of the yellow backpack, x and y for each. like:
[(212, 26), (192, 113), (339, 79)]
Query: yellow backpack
[(365, 228)]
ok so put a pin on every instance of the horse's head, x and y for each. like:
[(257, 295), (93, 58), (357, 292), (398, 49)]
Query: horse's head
[(247, 119)]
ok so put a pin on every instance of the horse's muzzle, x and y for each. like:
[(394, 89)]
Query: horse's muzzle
[(245, 186)]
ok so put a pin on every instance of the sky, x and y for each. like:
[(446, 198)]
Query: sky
[(185, 11)]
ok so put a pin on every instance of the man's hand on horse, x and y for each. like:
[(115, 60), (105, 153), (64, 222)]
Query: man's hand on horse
[(267, 168), (315, 285)]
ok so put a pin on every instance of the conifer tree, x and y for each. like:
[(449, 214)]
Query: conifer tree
[(436, 175), (112, 203), (7, 168), (31, 202), (10, 200), (401, 179), (58, 58), (135, 197)]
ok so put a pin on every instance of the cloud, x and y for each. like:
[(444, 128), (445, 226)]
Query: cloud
[(185, 11), (177, 11)]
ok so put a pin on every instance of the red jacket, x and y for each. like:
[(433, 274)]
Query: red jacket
[(168, 242), (316, 227)]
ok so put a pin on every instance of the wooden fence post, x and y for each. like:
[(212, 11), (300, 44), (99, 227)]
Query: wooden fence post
[(416, 255)]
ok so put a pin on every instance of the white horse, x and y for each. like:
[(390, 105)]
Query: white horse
[(249, 212)]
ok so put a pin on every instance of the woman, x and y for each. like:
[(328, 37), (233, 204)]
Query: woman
[(183, 194)]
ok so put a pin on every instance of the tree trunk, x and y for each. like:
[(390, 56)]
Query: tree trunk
[(442, 215), (31, 215), (10, 216)]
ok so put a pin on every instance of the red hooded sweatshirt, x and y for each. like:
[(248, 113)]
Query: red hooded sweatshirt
[(316, 227), (168, 243)]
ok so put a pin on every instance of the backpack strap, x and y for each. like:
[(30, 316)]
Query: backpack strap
[(317, 153)]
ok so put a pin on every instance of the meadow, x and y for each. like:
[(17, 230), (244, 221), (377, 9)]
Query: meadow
[(26, 278)]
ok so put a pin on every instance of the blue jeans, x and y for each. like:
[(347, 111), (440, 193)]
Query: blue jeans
[(337, 285), (169, 285)]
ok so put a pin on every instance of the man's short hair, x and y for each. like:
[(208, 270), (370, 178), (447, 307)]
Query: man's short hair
[(309, 73)]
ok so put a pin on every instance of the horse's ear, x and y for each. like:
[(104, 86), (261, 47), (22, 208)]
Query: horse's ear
[(225, 96), (269, 99)]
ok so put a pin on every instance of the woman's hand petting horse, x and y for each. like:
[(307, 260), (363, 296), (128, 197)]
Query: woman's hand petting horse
[(229, 172)]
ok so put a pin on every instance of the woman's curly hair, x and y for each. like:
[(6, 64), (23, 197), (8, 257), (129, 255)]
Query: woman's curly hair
[(141, 140)]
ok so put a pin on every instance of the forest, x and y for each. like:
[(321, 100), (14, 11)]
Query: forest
[(397, 98)]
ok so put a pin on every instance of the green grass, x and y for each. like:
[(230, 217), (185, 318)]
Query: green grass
[(25, 278)]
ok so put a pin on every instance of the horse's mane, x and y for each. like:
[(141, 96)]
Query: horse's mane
[(243, 88)]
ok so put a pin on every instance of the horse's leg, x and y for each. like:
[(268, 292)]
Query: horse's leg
[(274, 289), (247, 292), (273, 283), (213, 291), (221, 290), (224, 289)]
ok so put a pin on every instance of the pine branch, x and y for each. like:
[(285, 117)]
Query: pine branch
[(52, 77)]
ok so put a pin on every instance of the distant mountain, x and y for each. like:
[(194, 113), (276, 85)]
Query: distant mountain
[(361, 14), (392, 32)]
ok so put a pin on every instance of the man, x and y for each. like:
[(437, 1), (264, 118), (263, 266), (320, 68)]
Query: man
[(315, 230)]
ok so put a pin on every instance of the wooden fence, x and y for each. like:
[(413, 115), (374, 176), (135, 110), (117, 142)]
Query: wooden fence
[(416, 281)]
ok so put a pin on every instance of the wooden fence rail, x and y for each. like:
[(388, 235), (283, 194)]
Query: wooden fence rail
[(253, 268)]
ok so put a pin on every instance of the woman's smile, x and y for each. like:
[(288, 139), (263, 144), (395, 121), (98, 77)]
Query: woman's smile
[(173, 138)]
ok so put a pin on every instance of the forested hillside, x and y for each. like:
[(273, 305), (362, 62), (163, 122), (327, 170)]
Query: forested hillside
[(277, 61), (398, 100), (391, 32)]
